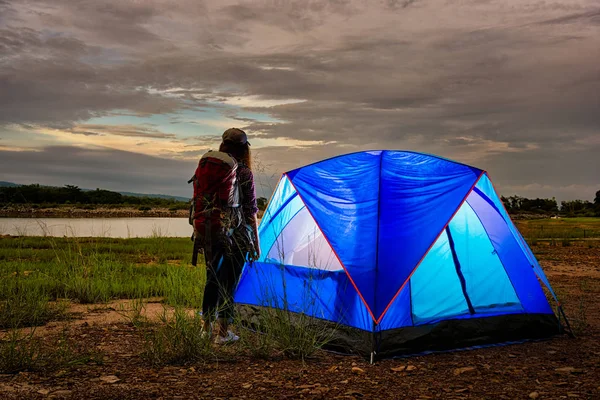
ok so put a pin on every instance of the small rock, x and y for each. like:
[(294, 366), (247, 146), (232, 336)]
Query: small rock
[(572, 395), (569, 370), (43, 391), (398, 369), (357, 370), (534, 395), (462, 370), (306, 386), (246, 386), (410, 368), (353, 393), (109, 379), (344, 381), (62, 393), (333, 368)]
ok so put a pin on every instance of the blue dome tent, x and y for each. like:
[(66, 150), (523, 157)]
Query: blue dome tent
[(407, 251)]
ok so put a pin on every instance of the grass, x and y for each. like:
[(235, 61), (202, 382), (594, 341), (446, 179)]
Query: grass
[(274, 331), (177, 339), (22, 351), (563, 228), (39, 273)]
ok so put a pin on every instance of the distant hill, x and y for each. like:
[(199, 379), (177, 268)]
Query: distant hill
[(160, 196), (152, 195), (8, 184)]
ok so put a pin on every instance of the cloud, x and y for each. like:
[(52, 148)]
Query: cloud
[(511, 87), (592, 17), (120, 130), (103, 168)]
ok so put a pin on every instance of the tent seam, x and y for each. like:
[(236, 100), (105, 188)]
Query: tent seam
[(335, 252), (375, 323), (498, 255), (521, 239), (273, 194), (283, 227), (397, 151), (430, 246)]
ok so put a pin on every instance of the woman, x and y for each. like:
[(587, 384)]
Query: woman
[(243, 237)]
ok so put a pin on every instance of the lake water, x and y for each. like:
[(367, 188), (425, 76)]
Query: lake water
[(96, 227)]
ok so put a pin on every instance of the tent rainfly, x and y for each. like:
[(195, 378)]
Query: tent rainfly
[(402, 252)]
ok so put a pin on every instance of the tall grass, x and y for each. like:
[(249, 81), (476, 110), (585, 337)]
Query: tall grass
[(22, 351), (178, 338), (37, 271), (288, 326)]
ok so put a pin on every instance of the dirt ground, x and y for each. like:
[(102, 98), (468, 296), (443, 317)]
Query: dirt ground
[(559, 368)]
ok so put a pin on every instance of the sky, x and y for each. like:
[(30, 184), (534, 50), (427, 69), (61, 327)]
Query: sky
[(126, 95)]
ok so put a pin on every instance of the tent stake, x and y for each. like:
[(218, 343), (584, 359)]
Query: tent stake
[(569, 330)]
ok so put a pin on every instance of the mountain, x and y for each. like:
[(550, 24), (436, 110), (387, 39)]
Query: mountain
[(161, 196), (8, 184)]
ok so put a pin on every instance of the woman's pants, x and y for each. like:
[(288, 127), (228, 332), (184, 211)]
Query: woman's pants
[(222, 275)]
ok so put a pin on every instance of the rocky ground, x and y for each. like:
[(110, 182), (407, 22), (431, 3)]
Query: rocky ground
[(560, 368)]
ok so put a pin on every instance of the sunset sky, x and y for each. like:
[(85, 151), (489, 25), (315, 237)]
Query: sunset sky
[(127, 95)]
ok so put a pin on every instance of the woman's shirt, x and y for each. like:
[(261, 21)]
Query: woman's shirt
[(246, 179)]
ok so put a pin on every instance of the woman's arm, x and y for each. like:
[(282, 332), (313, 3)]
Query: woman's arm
[(256, 239), (249, 204)]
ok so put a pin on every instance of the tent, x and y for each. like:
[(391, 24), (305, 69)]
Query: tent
[(407, 252)]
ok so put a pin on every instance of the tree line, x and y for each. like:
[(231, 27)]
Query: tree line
[(69, 194), (73, 195), (568, 208)]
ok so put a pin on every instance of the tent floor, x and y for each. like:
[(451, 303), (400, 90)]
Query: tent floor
[(442, 336)]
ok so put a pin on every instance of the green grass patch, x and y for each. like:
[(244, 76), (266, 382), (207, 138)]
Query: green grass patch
[(561, 228), (36, 271)]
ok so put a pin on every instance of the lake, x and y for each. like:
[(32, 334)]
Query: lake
[(96, 227)]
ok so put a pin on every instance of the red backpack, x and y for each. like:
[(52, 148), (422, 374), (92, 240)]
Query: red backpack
[(215, 204)]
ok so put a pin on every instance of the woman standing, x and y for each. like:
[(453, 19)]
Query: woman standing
[(243, 245)]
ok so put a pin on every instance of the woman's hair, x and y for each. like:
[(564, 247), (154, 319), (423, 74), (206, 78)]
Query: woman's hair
[(241, 152)]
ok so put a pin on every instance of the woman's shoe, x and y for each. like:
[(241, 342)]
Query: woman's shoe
[(229, 338)]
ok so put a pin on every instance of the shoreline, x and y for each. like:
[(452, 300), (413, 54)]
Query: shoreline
[(100, 212)]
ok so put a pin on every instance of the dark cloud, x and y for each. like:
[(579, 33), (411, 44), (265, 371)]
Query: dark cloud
[(292, 15), (592, 17), (109, 169), (92, 168)]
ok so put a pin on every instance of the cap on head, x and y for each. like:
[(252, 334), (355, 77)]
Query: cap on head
[(236, 136)]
